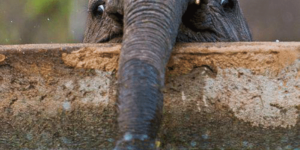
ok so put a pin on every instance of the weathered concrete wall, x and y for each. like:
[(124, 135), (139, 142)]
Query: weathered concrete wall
[(217, 96)]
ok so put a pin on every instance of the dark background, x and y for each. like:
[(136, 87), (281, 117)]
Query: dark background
[(63, 21)]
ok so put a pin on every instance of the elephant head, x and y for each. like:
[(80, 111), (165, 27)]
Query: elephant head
[(148, 30)]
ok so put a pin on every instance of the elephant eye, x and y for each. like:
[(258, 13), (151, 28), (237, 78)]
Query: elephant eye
[(100, 10), (97, 9), (227, 4)]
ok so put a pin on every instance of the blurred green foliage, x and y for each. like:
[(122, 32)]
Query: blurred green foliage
[(35, 21), (34, 8)]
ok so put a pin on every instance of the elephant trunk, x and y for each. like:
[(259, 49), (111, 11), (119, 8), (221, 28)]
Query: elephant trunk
[(150, 30)]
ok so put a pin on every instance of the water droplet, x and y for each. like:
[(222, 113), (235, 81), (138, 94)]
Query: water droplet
[(205, 136), (110, 140), (222, 2), (193, 143), (128, 136), (284, 140), (67, 105), (157, 143), (144, 137), (65, 140), (29, 136), (288, 147), (278, 148), (130, 148)]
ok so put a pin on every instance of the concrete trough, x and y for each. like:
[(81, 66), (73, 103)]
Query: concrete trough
[(217, 96)]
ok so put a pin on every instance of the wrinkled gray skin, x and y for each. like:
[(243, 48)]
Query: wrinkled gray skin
[(148, 30)]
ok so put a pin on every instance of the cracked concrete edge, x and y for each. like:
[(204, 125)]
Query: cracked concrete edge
[(200, 48), (259, 57), (79, 55)]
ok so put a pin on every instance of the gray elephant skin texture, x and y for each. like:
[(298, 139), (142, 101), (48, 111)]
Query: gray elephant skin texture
[(148, 30)]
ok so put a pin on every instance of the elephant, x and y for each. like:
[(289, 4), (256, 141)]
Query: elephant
[(148, 30)]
